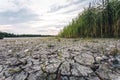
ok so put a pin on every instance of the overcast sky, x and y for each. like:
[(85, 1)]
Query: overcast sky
[(38, 16)]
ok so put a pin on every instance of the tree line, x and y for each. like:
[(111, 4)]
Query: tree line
[(101, 19), (5, 34)]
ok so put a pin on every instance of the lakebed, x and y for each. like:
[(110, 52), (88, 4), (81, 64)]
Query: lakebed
[(49, 58)]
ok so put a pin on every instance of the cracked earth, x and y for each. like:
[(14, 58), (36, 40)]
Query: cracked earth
[(59, 59)]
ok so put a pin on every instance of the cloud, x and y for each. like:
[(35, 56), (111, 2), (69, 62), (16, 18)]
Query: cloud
[(38, 16), (5, 27), (68, 4), (77, 8), (12, 5), (21, 16)]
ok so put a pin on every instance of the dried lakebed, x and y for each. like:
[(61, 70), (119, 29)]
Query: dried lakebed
[(59, 59)]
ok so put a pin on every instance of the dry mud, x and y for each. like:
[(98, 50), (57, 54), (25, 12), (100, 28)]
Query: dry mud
[(59, 59)]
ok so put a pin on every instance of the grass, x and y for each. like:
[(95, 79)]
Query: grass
[(100, 20)]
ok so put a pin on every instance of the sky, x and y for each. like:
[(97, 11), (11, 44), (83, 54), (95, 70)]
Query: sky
[(46, 17)]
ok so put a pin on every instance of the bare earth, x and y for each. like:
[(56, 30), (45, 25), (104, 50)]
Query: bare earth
[(59, 59)]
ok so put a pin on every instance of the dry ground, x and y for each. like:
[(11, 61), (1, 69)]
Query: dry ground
[(59, 59)]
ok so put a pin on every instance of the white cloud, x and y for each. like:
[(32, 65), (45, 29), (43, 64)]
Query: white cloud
[(5, 27), (38, 16)]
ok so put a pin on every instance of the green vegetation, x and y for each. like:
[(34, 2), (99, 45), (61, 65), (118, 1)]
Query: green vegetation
[(4, 34), (101, 19)]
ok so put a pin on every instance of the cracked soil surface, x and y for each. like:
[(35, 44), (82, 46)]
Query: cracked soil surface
[(59, 59)]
